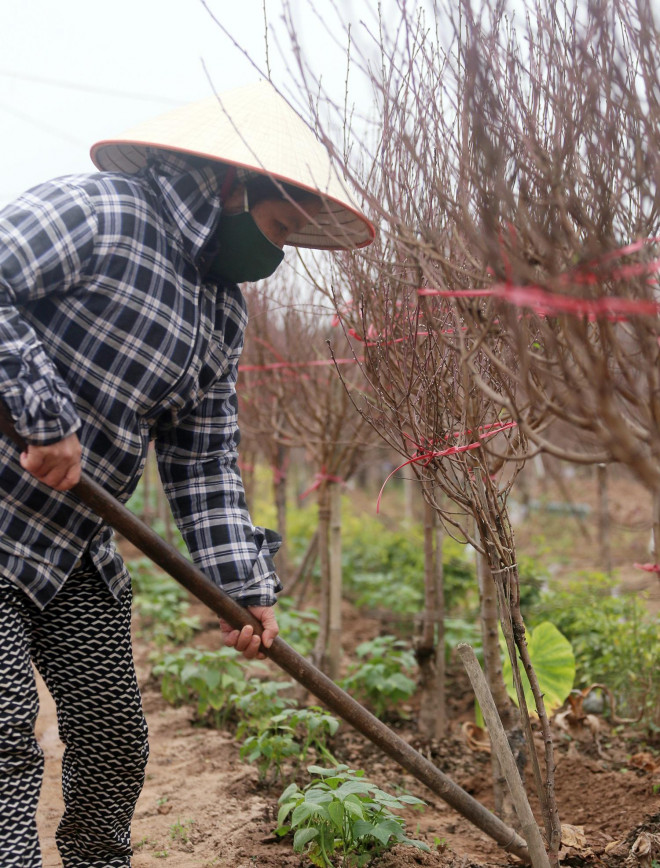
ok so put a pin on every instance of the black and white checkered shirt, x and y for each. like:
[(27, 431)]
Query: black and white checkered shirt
[(108, 328)]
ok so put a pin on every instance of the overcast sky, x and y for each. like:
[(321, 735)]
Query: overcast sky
[(76, 71)]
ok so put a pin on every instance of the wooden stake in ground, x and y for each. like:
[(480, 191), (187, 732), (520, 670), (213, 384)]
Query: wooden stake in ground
[(507, 763)]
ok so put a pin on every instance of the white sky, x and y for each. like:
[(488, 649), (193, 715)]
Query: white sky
[(108, 51), (117, 52)]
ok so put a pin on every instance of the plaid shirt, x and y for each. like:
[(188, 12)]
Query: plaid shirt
[(108, 329)]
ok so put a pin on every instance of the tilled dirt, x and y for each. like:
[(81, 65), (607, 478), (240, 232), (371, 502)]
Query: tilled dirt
[(203, 806)]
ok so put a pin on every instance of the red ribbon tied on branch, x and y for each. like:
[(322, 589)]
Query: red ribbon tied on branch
[(649, 568), (546, 303), (321, 477), (425, 457)]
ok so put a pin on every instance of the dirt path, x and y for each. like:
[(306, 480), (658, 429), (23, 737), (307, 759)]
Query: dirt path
[(203, 808)]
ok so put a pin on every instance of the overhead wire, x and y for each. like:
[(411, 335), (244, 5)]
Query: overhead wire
[(87, 88)]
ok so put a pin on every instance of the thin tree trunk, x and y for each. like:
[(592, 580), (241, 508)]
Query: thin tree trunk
[(489, 619), (335, 593), (440, 673), (410, 486), (305, 568), (323, 499), (425, 649), (604, 524), (147, 511), (501, 747), (164, 513), (279, 496), (508, 587), (425, 644), (656, 527)]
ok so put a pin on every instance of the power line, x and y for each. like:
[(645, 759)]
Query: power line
[(36, 122), (72, 85)]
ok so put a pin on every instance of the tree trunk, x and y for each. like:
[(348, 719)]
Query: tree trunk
[(147, 511), (604, 520), (440, 673), (335, 593), (410, 486), (425, 648), (164, 513), (656, 528), (323, 499), (279, 496), (489, 620)]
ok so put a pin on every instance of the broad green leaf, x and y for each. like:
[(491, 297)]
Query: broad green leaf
[(190, 670), (302, 837), (411, 800), (290, 790), (402, 682), (336, 812), (301, 813), (385, 830), (554, 663), (350, 787), (318, 770), (318, 797), (362, 828), (421, 845), (284, 812), (353, 806)]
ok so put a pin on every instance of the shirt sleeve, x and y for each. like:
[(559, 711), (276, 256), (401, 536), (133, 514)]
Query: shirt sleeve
[(197, 462), (46, 241)]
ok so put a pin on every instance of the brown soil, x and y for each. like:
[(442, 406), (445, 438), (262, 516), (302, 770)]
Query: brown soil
[(202, 806)]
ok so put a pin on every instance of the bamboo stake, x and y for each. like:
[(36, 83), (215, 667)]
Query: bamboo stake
[(501, 747), (337, 700)]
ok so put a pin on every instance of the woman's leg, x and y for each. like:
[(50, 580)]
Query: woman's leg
[(82, 647), (21, 758)]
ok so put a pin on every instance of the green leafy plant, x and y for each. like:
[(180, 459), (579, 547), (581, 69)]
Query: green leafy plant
[(161, 605), (298, 628), (268, 750), (341, 813), (314, 727), (614, 639), (382, 568), (292, 733), (459, 630), (210, 680), (257, 701), (379, 676), (554, 664)]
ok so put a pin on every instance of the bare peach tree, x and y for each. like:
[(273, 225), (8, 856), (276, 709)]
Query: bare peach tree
[(511, 166), (294, 398)]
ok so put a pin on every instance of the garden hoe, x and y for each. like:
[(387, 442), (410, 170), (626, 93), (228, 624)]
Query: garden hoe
[(336, 699)]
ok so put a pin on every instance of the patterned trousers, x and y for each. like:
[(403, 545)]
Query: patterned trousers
[(81, 645)]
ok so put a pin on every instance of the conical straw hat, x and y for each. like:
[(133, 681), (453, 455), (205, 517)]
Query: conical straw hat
[(255, 129)]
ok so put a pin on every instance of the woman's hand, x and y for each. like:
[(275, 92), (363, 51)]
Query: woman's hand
[(246, 641), (56, 465)]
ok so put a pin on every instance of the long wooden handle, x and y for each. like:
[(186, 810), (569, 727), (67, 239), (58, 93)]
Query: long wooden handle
[(337, 700)]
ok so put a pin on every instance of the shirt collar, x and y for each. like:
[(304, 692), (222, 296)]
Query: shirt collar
[(190, 195)]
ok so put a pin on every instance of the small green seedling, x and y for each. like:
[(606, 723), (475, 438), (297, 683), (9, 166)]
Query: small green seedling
[(342, 813), (379, 676)]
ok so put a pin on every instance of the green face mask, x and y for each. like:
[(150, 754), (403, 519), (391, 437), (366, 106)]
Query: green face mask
[(245, 252)]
